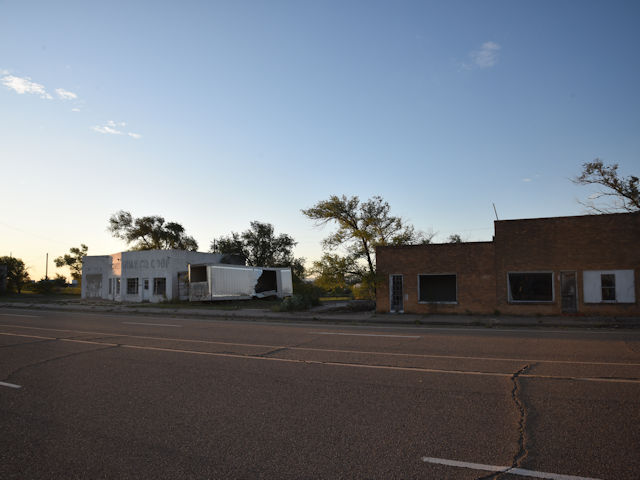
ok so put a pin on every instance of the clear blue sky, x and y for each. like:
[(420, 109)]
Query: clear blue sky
[(214, 114)]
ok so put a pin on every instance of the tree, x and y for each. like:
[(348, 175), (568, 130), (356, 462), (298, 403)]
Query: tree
[(336, 273), (17, 275), (624, 192), (261, 247), (363, 226), (73, 260), (150, 233), (454, 238)]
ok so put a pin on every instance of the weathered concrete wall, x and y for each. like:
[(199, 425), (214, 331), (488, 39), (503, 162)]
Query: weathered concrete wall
[(145, 266)]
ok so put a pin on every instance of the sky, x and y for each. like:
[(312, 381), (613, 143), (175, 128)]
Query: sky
[(214, 114)]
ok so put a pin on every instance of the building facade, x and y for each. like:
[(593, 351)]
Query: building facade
[(140, 276), (584, 265)]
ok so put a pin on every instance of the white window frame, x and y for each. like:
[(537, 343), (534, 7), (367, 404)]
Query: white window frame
[(624, 286)]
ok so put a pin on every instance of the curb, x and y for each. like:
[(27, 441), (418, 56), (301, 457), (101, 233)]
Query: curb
[(358, 318)]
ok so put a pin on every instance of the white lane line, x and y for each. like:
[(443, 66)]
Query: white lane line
[(336, 364), (151, 324), (392, 354), (364, 335), (510, 470), (17, 315), (10, 385)]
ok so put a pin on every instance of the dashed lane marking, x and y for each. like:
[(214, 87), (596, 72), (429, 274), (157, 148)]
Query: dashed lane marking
[(10, 385), (501, 469), (341, 364), (333, 350)]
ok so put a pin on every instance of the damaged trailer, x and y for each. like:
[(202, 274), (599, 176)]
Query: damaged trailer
[(233, 282)]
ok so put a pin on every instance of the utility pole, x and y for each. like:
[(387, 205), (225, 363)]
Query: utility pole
[(46, 268)]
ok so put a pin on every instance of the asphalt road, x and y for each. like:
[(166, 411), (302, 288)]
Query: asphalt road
[(114, 396)]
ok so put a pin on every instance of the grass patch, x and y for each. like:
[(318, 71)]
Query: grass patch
[(32, 297)]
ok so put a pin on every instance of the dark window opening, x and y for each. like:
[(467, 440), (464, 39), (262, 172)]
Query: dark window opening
[(117, 286), (267, 282), (132, 286), (159, 286), (438, 288), (531, 287), (198, 274), (608, 283)]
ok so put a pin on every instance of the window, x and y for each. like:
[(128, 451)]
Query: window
[(531, 287), (608, 284), (117, 286), (132, 286), (159, 286), (110, 286), (438, 288)]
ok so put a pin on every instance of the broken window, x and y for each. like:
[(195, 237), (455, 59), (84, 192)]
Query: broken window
[(159, 286), (132, 286), (608, 283), (531, 287), (198, 274), (438, 288)]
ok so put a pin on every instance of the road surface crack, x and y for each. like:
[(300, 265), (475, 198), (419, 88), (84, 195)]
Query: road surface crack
[(53, 359), (521, 454)]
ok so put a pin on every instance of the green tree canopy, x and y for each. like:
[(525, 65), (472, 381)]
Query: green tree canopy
[(17, 274), (150, 233), (334, 272), (73, 260), (363, 226), (622, 193), (261, 247)]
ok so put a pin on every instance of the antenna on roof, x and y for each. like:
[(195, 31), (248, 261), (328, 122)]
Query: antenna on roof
[(494, 210)]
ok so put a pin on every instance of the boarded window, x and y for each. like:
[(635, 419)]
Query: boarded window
[(159, 286), (132, 286), (531, 287), (608, 283), (438, 288)]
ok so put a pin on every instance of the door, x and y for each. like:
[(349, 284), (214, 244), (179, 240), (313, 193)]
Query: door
[(397, 304), (569, 292), (146, 293)]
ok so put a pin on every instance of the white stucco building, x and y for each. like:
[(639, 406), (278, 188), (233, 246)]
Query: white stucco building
[(139, 276), (159, 275)]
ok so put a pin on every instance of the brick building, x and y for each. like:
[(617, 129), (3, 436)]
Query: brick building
[(585, 265)]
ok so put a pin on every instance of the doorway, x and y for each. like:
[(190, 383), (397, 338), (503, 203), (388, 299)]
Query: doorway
[(397, 304), (569, 292)]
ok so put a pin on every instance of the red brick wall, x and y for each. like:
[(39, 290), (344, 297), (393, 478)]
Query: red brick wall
[(473, 263), (590, 242)]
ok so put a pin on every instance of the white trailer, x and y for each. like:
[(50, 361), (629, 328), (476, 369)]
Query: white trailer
[(209, 282)]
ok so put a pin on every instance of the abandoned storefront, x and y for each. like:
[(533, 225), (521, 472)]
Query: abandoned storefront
[(587, 265), (139, 276)]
